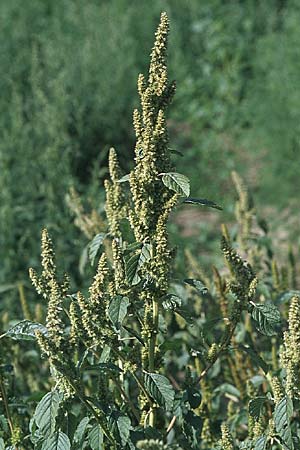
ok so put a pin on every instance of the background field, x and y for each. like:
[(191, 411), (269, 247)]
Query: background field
[(68, 88)]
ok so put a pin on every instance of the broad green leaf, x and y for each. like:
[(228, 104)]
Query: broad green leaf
[(117, 310), (80, 430), (260, 443), (197, 284), (94, 246), (133, 263), (202, 202), (160, 389), (255, 357), (119, 425), (46, 413), (177, 182), (58, 441), (25, 330), (282, 416), (124, 178), (256, 406), (2, 445), (96, 438), (267, 318)]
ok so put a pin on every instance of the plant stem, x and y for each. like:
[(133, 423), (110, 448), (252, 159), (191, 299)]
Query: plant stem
[(152, 345), (5, 403)]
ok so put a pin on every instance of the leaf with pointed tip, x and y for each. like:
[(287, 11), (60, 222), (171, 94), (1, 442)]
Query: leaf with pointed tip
[(81, 430), (266, 318), (119, 425), (133, 263), (202, 202), (96, 438), (256, 406), (177, 182), (160, 389), (282, 415), (58, 441), (117, 310), (46, 413), (25, 330), (94, 246)]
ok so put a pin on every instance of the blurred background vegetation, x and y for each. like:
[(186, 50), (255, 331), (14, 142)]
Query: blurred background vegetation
[(68, 89)]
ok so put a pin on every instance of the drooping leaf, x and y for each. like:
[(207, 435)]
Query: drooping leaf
[(197, 284), (124, 178), (58, 441), (266, 318), (160, 389), (177, 182), (94, 246), (25, 330), (282, 415), (81, 430), (256, 406), (119, 425), (96, 438), (46, 413), (117, 310), (260, 443), (202, 202), (133, 263), (255, 357)]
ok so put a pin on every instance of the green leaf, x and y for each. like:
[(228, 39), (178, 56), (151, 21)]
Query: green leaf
[(2, 445), (25, 330), (46, 413), (80, 430), (124, 178), (202, 202), (260, 443), (171, 302), (96, 438), (133, 263), (255, 357), (117, 310), (177, 182), (160, 389), (256, 406), (267, 318), (94, 246), (119, 424), (194, 397), (59, 441), (103, 367), (282, 415), (197, 284)]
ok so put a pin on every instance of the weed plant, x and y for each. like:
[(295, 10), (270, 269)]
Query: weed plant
[(144, 360)]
